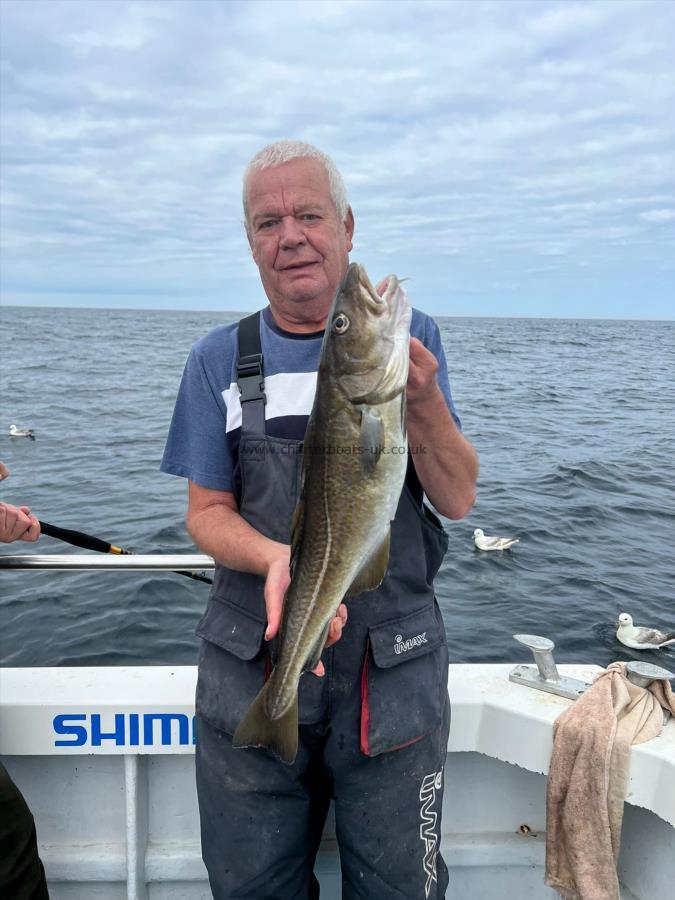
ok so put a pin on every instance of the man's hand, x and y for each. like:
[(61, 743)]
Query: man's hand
[(17, 524), (214, 524), (422, 370), (276, 585)]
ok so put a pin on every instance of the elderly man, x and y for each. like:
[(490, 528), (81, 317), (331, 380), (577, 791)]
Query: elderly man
[(373, 721)]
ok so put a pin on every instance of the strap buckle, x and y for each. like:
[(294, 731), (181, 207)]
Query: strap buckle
[(250, 378)]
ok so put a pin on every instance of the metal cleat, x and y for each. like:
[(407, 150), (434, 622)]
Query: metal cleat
[(642, 674), (546, 676)]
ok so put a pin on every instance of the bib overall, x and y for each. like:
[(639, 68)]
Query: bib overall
[(373, 730)]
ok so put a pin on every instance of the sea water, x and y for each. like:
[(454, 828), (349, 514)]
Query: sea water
[(573, 420)]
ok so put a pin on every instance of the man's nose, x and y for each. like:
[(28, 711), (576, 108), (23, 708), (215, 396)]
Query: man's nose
[(292, 233)]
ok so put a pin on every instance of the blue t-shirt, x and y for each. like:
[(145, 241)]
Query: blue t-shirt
[(203, 441)]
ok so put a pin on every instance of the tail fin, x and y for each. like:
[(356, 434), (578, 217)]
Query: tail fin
[(257, 729)]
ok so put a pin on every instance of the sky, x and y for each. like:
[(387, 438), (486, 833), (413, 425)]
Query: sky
[(509, 158)]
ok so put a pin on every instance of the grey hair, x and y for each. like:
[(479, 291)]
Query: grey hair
[(283, 151)]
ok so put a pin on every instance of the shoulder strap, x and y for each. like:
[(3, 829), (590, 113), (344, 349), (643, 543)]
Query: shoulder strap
[(251, 376)]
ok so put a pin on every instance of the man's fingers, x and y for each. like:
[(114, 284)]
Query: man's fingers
[(9, 522), (21, 527), (273, 614), (273, 604), (13, 523), (334, 634), (278, 579), (33, 532), (336, 626)]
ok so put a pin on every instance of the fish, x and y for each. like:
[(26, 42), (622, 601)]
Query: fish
[(354, 462)]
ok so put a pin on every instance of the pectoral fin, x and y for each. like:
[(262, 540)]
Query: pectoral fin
[(371, 439), (373, 571)]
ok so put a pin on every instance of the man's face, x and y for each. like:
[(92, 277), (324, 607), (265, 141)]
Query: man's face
[(298, 242)]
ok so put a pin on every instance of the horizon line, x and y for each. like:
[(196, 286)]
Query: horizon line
[(245, 312)]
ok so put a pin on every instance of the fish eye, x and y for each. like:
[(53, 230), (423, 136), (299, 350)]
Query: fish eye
[(341, 323)]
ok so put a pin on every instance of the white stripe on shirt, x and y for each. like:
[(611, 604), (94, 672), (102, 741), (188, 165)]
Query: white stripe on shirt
[(288, 394)]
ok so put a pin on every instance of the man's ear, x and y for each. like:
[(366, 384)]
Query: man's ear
[(349, 227)]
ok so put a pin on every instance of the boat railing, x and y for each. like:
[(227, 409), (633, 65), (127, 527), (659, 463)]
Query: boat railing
[(82, 562)]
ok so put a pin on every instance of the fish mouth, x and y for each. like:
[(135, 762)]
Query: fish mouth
[(393, 300), (392, 303), (351, 281), (385, 377), (357, 285)]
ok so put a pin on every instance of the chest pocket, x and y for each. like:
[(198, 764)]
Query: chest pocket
[(404, 681)]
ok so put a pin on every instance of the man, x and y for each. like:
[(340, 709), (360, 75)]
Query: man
[(22, 876), (373, 729)]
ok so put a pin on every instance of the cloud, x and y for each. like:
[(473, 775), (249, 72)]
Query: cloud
[(658, 215), (467, 132), (568, 20)]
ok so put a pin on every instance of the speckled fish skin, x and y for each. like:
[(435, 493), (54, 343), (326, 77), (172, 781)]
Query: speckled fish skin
[(354, 464)]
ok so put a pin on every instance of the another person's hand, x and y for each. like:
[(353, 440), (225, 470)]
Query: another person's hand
[(276, 585), (17, 524)]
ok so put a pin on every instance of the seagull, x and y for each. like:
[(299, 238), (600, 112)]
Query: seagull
[(641, 638), (483, 542), (21, 432)]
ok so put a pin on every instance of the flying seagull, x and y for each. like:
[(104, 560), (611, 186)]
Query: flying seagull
[(483, 542), (21, 432), (641, 638)]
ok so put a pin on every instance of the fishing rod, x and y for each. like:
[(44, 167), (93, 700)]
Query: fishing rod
[(89, 542)]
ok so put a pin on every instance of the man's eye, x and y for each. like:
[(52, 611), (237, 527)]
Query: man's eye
[(309, 217), (268, 223)]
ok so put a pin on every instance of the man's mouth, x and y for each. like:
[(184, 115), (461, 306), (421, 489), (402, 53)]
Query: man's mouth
[(299, 265)]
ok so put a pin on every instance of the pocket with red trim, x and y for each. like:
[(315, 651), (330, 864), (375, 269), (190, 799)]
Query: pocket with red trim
[(404, 681)]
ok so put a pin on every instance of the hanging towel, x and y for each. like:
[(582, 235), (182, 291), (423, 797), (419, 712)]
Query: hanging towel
[(587, 780)]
